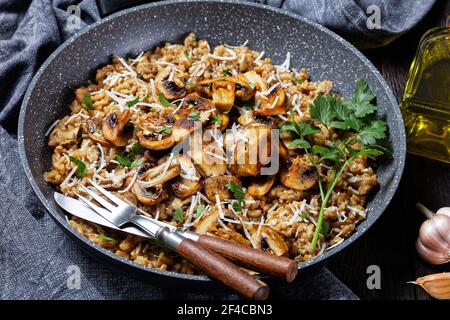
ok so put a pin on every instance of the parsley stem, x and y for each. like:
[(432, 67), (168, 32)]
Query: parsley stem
[(330, 189)]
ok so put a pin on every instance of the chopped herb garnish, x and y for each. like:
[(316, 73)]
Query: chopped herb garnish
[(123, 160), (226, 72), (179, 215), (248, 105), (163, 130), (164, 101), (217, 120), (106, 238), (132, 102), (303, 215), (298, 80), (200, 209), (186, 54), (136, 148), (87, 102), (194, 116), (137, 163), (81, 167), (238, 205)]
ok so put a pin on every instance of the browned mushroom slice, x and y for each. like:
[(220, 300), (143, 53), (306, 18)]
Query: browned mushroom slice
[(273, 103), (172, 90), (275, 242), (255, 80), (93, 127), (301, 174), (194, 109), (230, 234), (208, 222), (217, 186), (160, 174), (149, 196), (189, 181), (114, 130), (155, 132), (244, 90), (251, 149), (260, 186), (223, 94), (209, 158)]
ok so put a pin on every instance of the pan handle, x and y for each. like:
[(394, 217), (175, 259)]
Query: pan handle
[(107, 7)]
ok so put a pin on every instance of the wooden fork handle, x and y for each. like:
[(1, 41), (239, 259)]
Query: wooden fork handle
[(216, 266), (250, 258)]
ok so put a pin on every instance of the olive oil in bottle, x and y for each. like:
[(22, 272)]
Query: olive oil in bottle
[(426, 100)]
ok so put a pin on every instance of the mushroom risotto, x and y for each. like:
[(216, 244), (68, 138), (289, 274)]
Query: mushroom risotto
[(124, 131)]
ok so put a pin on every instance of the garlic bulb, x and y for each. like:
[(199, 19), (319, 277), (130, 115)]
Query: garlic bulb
[(433, 244), (437, 285)]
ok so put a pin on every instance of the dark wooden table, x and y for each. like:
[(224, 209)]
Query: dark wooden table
[(390, 244)]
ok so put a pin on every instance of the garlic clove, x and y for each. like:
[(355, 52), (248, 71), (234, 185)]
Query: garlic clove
[(437, 285)]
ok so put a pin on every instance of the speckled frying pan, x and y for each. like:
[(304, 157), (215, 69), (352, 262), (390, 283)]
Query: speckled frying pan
[(323, 53)]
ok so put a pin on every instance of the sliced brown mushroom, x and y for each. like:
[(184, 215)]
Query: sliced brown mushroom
[(230, 234), (244, 90), (273, 103), (155, 133), (275, 242), (208, 222), (251, 149), (172, 90), (217, 186), (260, 186), (209, 157), (93, 127), (301, 174), (189, 181), (149, 196), (194, 109), (223, 95), (204, 87), (114, 128), (160, 174)]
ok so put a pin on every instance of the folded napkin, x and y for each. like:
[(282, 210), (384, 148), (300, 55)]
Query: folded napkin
[(34, 253)]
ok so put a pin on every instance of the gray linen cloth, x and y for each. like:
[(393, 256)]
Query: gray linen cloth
[(34, 252)]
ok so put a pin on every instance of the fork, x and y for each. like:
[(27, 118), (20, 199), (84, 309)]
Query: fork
[(120, 214)]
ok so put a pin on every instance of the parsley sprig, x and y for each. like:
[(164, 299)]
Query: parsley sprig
[(238, 193), (129, 159), (356, 117)]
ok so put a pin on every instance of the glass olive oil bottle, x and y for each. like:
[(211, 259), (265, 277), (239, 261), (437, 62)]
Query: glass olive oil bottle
[(426, 99)]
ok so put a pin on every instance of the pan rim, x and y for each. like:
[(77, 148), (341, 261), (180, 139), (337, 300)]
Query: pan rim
[(400, 159)]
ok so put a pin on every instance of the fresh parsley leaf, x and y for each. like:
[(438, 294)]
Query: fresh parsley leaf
[(81, 167), (302, 129), (369, 152), (87, 102), (332, 153), (238, 195), (179, 215), (136, 148), (248, 105), (164, 101), (123, 160), (194, 116), (132, 102), (304, 215), (217, 120), (106, 238), (362, 99), (186, 54), (322, 109), (300, 143), (200, 209), (298, 80), (326, 226), (226, 72), (137, 163), (374, 130), (163, 130)]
